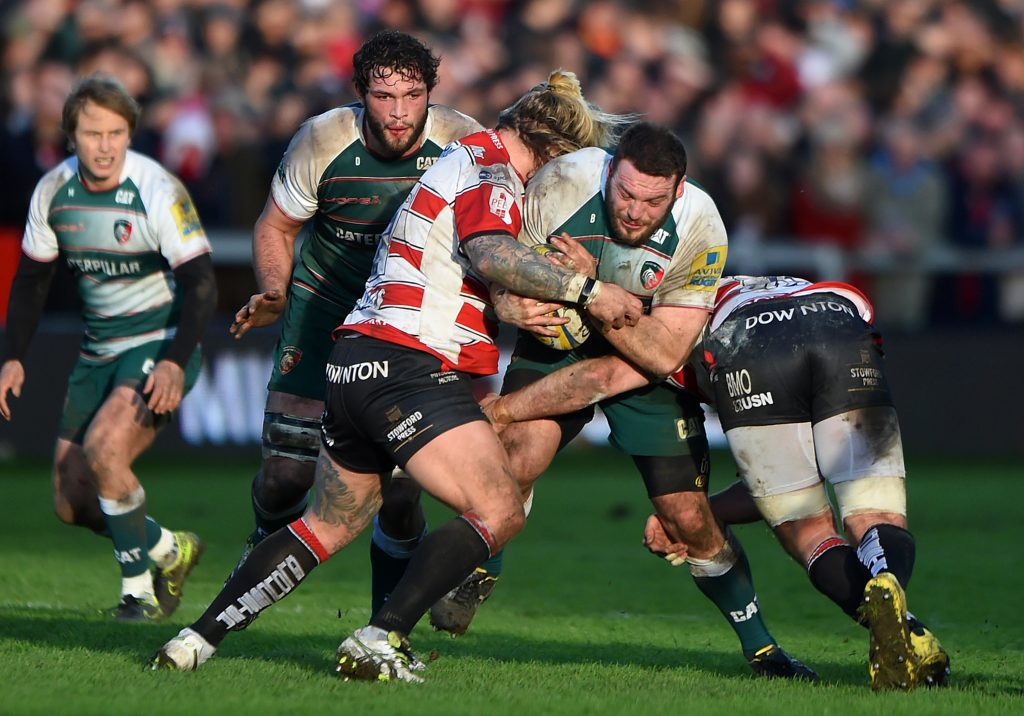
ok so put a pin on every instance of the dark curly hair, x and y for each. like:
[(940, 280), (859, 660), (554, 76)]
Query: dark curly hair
[(392, 51), (654, 150)]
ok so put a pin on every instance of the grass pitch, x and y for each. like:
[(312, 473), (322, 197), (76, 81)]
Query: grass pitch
[(584, 621)]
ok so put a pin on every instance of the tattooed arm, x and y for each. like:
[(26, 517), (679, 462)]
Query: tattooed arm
[(505, 261)]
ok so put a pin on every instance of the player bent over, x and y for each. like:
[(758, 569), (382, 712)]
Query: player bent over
[(128, 230), (398, 384), (640, 225), (797, 374)]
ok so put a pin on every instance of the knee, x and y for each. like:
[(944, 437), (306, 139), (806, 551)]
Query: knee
[(100, 456), (282, 482)]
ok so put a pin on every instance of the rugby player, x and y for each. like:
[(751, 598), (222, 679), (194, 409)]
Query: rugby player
[(398, 383), (129, 232), (796, 371), (343, 176), (633, 215)]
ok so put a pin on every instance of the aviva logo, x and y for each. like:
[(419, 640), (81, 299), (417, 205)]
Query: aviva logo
[(706, 269)]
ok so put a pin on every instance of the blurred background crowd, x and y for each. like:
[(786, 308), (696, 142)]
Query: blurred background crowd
[(890, 131)]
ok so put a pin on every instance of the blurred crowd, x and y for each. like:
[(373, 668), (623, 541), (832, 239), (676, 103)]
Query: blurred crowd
[(884, 127)]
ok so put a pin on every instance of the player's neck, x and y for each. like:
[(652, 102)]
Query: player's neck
[(520, 157)]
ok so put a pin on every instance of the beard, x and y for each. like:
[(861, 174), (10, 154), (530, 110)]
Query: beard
[(394, 148), (633, 237)]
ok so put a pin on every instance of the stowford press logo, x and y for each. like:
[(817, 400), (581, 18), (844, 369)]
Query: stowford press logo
[(290, 358), (122, 231), (651, 274)]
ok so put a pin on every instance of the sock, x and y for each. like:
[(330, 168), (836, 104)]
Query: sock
[(726, 580), (494, 564), (389, 558), (163, 547), (270, 521), (888, 548), (836, 572), (273, 570), (126, 520), (443, 560)]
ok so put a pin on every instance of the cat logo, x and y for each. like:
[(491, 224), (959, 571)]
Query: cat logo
[(122, 231), (290, 357), (651, 274), (424, 163)]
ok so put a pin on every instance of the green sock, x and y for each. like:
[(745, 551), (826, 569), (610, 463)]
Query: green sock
[(731, 588), (126, 520), (153, 532), (494, 564)]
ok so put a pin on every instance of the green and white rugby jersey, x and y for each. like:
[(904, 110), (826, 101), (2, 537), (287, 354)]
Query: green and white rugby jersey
[(121, 245), (679, 265), (347, 195)]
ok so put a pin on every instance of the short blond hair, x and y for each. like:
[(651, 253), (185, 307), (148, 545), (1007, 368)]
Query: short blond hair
[(555, 118)]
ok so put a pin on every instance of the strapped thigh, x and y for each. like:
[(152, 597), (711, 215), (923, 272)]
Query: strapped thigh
[(291, 436)]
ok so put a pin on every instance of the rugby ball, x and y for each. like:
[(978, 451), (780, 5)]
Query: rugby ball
[(572, 334)]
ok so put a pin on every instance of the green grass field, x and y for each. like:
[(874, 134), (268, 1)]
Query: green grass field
[(584, 621)]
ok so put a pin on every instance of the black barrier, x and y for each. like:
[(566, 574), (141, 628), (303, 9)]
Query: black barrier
[(957, 393)]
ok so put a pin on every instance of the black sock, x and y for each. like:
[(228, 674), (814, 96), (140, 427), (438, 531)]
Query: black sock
[(273, 570), (444, 558), (888, 548), (836, 572)]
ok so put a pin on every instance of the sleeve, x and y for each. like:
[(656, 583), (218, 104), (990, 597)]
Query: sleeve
[(40, 242), (200, 298), (486, 204), (692, 277), (177, 224), (294, 186)]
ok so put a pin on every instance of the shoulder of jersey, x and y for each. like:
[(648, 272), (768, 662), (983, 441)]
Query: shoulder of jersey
[(447, 124), (338, 126), (578, 173), (697, 196), (150, 176)]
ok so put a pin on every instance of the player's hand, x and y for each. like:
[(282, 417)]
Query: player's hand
[(572, 255), (658, 541), (492, 407), (526, 313), (614, 306), (165, 387), (261, 310), (12, 378)]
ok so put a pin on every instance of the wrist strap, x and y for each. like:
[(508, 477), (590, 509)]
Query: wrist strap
[(591, 289)]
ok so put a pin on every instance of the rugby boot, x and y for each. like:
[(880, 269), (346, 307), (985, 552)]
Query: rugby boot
[(933, 668), (772, 662), (169, 582), (136, 609), (185, 652), (454, 611), (372, 654), (892, 662)]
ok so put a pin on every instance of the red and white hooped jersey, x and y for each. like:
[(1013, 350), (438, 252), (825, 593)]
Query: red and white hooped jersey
[(423, 292), (734, 292)]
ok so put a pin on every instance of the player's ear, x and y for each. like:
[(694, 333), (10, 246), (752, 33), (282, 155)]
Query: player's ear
[(680, 186)]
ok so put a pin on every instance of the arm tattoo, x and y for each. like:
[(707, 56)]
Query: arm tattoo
[(505, 261), (335, 504)]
